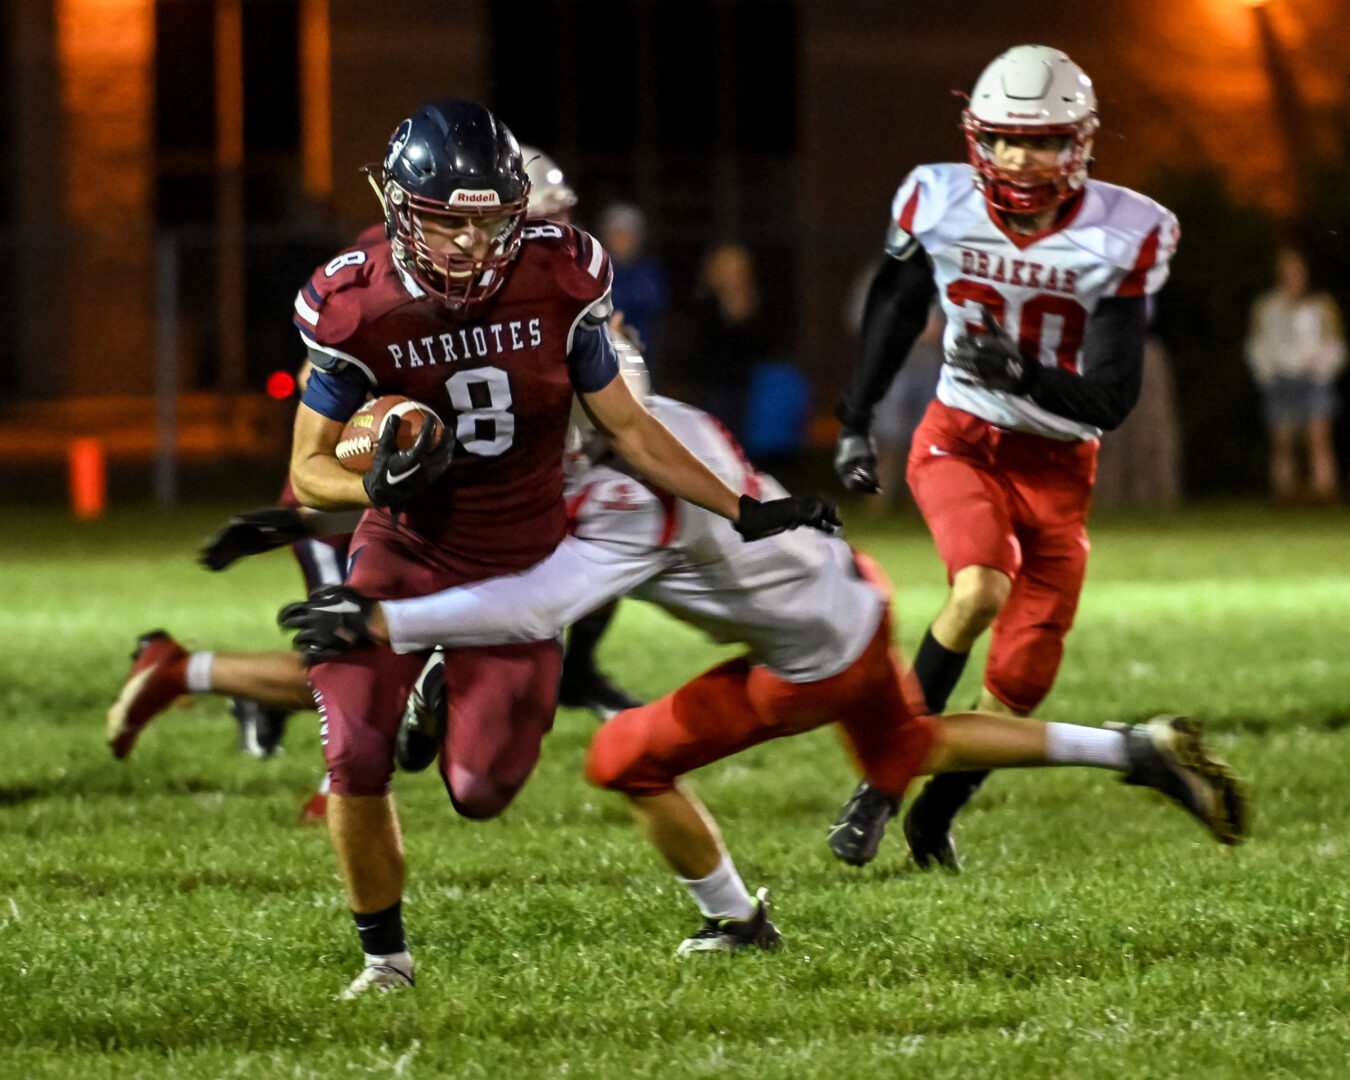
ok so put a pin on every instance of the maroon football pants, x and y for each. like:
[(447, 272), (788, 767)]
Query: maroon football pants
[(500, 698)]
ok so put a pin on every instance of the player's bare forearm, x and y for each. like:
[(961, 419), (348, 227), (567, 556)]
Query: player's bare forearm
[(317, 477), (653, 451), (378, 626), (645, 443), (322, 483)]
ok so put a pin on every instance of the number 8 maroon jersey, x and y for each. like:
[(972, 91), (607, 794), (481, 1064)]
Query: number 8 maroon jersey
[(498, 375)]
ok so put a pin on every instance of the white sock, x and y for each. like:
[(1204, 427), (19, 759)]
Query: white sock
[(1073, 744), (722, 894), (326, 784), (198, 676), (402, 961)]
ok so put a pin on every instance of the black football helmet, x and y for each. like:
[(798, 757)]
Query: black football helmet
[(456, 162)]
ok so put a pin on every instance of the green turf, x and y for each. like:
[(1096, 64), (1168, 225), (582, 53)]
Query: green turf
[(166, 916)]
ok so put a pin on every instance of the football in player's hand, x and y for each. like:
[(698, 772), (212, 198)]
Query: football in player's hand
[(356, 447)]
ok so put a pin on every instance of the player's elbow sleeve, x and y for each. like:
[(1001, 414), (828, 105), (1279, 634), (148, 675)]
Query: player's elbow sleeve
[(1112, 416), (1113, 403), (901, 291)]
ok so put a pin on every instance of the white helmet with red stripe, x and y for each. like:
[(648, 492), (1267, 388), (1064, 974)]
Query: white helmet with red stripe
[(551, 196), (1031, 91)]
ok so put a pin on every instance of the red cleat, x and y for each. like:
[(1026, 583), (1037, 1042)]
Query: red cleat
[(316, 810), (158, 670)]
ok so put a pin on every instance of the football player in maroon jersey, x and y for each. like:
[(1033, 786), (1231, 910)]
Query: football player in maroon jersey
[(265, 687), (493, 324)]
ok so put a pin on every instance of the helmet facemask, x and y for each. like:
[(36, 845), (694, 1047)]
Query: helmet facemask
[(459, 278), (1033, 189)]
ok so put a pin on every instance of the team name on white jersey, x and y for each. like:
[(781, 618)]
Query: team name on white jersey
[(1020, 272), (1042, 289), (468, 343)]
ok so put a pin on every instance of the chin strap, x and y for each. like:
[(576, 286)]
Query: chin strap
[(369, 171)]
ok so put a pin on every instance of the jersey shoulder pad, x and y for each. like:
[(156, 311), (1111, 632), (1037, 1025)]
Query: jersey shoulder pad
[(573, 257), (353, 287), (371, 237), (1135, 234), (920, 204)]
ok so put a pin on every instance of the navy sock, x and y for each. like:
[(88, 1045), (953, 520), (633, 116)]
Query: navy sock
[(938, 670), (381, 931)]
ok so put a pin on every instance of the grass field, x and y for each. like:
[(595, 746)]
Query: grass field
[(167, 916)]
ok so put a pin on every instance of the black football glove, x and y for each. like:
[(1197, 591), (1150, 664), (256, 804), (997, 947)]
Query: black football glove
[(760, 519), (991, 359), (334, 620), (855, 460), (251, 534), (395, 475)]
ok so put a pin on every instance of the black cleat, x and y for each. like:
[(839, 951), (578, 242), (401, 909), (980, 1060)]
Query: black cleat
[(260, 729), (588, 689), (1168, 754), (856, 837), (928, 825), (423, 727), (734, 935), (930, 850)]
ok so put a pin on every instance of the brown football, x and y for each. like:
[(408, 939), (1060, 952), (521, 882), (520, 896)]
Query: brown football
[(356, 447)]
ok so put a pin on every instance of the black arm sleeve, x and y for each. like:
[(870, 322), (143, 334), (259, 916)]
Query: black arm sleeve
[(896, 311), (1113, 368)]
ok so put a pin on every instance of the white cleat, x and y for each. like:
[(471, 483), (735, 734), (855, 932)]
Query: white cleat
[(736, 935), (380, 978)]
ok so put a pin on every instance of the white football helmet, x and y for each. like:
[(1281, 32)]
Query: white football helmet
[(1031, 90), (550, 194)]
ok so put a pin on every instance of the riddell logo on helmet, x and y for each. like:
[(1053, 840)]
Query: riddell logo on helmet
[(464, 197), (1024, 116)]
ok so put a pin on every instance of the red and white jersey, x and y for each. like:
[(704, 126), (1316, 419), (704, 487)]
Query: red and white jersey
[(796, 599), (498, 377), (1041, 287)]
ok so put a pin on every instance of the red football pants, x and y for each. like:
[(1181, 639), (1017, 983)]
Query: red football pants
[(501, 698), (737, 705), (1018, 503)]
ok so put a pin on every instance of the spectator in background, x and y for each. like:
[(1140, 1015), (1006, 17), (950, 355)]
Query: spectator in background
[(725, 336), (1295, 349), (639, 281)]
